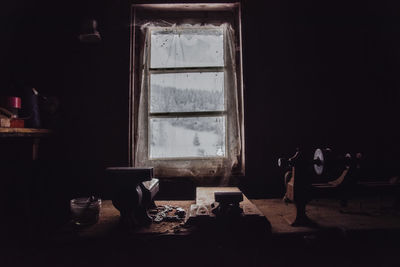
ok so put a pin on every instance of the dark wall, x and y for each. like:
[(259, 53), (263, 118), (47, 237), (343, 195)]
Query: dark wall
[(315, 74), (320, 74)]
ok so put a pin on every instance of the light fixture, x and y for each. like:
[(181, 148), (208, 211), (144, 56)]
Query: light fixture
[(89, 33)]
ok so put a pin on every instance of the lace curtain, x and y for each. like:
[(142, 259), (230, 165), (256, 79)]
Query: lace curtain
[(178, 52)]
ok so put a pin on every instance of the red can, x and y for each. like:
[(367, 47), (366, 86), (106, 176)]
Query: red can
[(13, 102)]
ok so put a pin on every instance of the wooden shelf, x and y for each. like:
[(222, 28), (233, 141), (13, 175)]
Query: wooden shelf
[(23, 132)]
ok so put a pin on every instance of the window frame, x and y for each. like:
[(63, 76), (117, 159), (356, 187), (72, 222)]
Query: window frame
[(135, 68)]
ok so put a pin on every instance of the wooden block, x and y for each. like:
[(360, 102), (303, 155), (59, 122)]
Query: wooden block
[(205, 196)]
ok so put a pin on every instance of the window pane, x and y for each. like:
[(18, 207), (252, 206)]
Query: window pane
[(187, 137), (187, 92), (174, 48)]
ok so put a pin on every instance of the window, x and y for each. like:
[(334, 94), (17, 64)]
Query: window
[(187, 93), (187, 90)]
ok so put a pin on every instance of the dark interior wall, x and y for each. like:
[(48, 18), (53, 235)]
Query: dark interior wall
[(321, 74), (42, 50), (315, 74)]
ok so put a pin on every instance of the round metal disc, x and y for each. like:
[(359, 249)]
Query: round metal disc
[(319, 155)]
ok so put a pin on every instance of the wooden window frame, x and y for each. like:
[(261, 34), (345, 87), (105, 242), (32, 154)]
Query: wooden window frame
[(151, 12)]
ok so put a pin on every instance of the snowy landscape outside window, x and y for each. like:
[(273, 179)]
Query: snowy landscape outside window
[(188, 109), (187, 94)]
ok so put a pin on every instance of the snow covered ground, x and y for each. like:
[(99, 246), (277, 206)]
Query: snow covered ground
[(171, 139)]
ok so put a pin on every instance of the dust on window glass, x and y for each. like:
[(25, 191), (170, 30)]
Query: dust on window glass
[(181, 90), (187, 137), (185, 47), (187, 92)]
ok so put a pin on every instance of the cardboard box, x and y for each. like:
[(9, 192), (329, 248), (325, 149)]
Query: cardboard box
[(5, 122)]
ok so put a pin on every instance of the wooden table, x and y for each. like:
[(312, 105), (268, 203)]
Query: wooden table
[(363, 214), (162, 245), (23, 132), (34, 134), (325, 212)]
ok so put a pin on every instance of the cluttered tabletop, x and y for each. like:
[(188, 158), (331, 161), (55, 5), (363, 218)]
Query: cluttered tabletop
[(361, 215)]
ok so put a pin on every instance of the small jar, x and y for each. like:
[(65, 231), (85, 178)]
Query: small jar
[(85, 210)]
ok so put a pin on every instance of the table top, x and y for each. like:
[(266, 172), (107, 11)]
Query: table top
[(361, 215), (23, 132)]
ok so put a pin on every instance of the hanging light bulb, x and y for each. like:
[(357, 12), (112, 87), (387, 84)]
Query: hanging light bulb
[(89, 32)]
